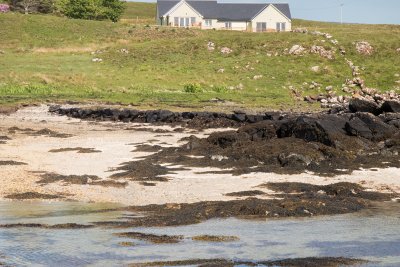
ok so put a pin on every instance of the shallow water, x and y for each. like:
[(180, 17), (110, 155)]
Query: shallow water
[(372, 235)]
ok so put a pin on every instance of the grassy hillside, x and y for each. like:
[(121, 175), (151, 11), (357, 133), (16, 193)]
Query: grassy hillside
[(141, 10), (50, 58), (144, 13)]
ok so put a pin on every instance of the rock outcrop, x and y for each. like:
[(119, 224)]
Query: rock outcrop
[(366, 135)]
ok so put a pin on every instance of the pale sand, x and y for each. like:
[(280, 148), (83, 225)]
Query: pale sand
[(116, 145)]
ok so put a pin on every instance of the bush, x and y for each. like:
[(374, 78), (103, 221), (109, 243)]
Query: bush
[(94, 9), (4, 8), (192, 88)]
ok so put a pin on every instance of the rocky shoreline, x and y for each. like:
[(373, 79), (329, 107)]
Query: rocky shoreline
[(329, 143)]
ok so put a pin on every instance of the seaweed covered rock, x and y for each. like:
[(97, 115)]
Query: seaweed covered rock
[(364, 105), (369, 126), (326, 130), (391, 106)]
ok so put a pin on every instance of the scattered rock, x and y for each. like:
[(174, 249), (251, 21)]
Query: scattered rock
[(226, 50), (297, 50), (97, 59), (315, 68), (97, 52), (300, 30), (257, 77), (210, 46), (364, 48), (329, 54), (240, 86)]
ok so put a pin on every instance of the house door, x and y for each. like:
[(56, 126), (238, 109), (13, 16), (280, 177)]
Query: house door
[(228, 25), (261, 26)]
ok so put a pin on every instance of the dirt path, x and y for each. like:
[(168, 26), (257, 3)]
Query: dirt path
[(34, 143)]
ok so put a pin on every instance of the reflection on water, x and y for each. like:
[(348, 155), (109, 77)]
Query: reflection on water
[(373, 235)]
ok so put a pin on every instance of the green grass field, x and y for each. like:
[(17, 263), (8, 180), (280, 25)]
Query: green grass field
[(49, 58), (141, 10)]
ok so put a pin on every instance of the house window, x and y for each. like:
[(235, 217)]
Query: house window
[(208, 22), (261, 27), (184, 22), (280, 26), (228, 25)]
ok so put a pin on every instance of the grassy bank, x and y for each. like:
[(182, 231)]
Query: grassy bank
[(51, 58), (139, 13)]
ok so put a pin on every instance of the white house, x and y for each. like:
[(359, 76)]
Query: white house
[(210, 14)]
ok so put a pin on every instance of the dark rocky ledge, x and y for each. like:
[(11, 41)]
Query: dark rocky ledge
[(324, 143)]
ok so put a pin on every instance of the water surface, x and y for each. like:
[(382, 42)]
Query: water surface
[(372, 235)]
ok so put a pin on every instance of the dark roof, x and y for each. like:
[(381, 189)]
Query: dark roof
[(211, 9), (163, 6), (239, 12)]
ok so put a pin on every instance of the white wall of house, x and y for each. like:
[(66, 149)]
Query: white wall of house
[(184, 11), (209, 24), (185, 15), (237, 26), (271, 16), (221, 25)]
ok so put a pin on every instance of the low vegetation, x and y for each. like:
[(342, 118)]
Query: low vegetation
[(49, 58)]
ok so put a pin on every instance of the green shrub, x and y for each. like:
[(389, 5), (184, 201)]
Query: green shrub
[(94, 9), (192, 88)]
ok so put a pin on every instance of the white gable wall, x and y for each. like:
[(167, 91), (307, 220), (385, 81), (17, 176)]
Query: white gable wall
[(183, 10), (271, 16)]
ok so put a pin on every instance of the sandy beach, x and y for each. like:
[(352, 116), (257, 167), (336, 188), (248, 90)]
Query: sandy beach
[(116, 143)]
